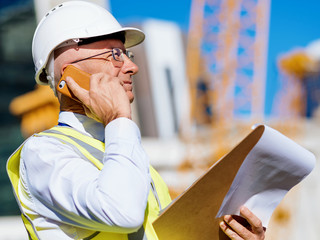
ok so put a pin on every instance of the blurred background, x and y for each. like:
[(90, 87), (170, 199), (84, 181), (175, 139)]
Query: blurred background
[(209, 70)]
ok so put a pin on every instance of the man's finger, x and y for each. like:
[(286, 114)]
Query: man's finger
[(79, 92), (237, 227), (252, 219), (229, 232)]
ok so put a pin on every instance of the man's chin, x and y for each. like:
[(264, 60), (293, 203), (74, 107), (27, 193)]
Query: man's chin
[(130, 96)]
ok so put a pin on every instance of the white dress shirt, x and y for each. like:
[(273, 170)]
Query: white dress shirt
[(68, 196)]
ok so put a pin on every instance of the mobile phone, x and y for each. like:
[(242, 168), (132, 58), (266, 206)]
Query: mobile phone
[(81, 77)]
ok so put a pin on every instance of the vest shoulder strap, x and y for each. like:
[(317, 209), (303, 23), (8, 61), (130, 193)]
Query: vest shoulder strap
[(13, 165), (88, 147)]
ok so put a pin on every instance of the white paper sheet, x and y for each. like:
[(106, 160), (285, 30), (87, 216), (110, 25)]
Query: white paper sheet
[(271, 169)]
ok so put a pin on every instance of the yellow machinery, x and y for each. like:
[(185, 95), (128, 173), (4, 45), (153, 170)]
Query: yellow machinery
[(39, 110)]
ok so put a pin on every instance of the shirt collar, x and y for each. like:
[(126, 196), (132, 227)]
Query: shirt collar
[(83, 124)]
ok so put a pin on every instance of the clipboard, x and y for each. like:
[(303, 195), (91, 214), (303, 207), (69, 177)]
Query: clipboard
[(195, 213)]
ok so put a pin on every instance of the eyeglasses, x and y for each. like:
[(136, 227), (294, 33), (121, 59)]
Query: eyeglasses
[(117, 56)]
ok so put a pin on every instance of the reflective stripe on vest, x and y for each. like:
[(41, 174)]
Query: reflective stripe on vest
[(13, 165), (92, 150)]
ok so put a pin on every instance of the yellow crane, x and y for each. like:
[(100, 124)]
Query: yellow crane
[(227, 52), (230, 38)]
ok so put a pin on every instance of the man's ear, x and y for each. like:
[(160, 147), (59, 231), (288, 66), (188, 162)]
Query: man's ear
[(63, 68)]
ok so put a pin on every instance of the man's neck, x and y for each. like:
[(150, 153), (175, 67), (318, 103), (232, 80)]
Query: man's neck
[(69, 105)]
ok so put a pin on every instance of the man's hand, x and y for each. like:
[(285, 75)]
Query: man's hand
[(236, 231), (105, 101)]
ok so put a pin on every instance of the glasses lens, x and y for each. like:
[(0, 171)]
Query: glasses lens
[(116, 53), (130, 55)]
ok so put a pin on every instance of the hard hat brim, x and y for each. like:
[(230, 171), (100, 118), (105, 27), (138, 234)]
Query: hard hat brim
[(133, 36)]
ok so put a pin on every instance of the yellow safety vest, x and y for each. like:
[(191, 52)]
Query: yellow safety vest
[(92, 149)]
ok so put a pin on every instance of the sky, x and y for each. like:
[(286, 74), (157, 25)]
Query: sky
[(126, 11), (293, 24)]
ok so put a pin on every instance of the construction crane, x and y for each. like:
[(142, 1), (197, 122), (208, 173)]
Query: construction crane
[(230, 38), (226, 65)]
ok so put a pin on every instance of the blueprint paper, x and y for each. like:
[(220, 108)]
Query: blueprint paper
[(270, 170)]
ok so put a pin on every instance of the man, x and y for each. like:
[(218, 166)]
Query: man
[(89, 177)]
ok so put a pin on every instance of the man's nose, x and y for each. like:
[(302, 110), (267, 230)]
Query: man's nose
[(129, 66)]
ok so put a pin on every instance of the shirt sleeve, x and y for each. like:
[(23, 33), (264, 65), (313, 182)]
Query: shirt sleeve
[(68, 189)]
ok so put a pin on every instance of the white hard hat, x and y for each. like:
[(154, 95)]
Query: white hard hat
[(69, 22)]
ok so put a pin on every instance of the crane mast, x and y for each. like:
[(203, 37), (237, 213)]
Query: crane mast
[(229, 37)]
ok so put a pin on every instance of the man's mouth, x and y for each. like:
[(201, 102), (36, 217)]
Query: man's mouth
[(127, 86)]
